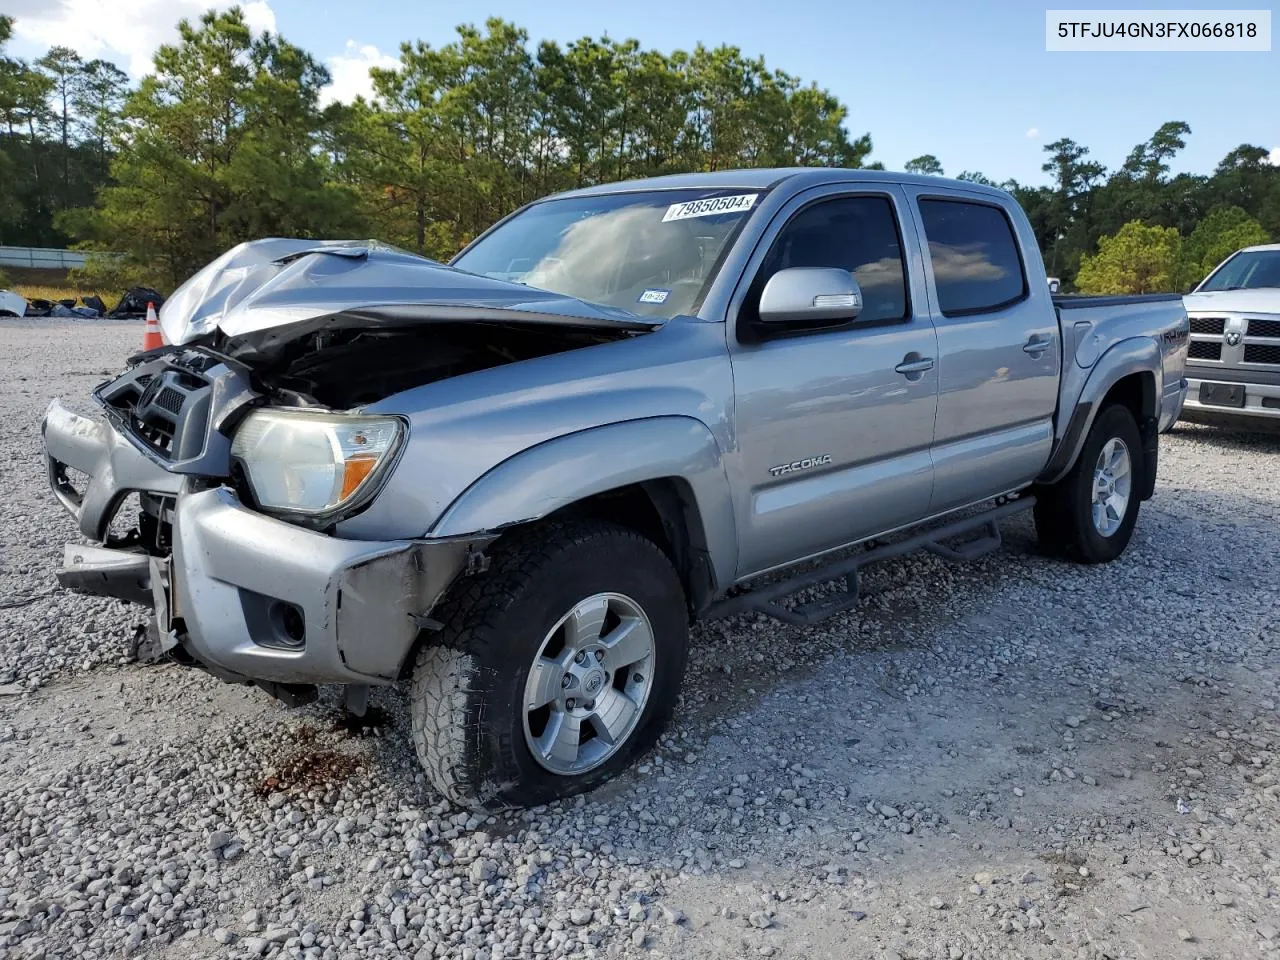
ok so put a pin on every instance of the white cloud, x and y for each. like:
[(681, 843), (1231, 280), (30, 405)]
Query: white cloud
[(350, 71), (1273, 157), (126, 31), (259, 16), (1033, 133)]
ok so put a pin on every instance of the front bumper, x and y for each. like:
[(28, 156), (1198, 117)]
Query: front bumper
[(112, 468), (1261, 400), (250, 597)]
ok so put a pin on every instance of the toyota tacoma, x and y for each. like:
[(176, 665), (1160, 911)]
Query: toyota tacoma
[(513, 481)]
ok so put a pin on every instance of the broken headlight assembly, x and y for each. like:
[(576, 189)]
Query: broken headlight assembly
[(314, 465)]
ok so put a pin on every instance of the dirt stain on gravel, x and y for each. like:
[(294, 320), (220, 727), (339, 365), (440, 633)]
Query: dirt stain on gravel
[(1070, 875), (305, 762)]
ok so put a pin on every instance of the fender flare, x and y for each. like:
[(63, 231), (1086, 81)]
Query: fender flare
[(1133, 355), (559, 472)]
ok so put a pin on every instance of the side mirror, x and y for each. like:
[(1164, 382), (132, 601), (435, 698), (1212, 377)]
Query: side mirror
[(810, 294)]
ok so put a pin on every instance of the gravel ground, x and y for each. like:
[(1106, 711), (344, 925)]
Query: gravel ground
[(1014, 758)]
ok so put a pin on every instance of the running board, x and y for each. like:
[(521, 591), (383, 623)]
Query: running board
[(767, 599)]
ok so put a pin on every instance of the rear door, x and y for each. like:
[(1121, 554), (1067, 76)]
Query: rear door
[(999, 349), (833, 438)]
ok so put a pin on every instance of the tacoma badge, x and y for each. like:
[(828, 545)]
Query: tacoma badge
[(804, 464)]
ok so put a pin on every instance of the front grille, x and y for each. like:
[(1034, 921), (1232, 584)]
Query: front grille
[(1261, 353), (1263, 328), (1204, 350), (157, 433), (1210, 325), (170, 399), (163, 407)]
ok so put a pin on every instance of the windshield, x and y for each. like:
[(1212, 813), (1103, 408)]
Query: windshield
[(650, 253), (1247, 270)]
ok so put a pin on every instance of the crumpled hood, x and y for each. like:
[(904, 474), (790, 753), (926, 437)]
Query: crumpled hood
[(265, 285), (1257, 300)]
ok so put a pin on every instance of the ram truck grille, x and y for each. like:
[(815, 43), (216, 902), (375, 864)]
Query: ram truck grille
[(1262, 353), (1204, 350), (1263, 328), (1210, 325)]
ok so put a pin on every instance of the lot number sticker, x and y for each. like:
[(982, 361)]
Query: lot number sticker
[(654, 295), (710, 207)]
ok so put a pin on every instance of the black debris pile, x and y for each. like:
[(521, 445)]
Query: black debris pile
[(134, 302)]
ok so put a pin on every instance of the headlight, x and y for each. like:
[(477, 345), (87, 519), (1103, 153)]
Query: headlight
[(313, 463)]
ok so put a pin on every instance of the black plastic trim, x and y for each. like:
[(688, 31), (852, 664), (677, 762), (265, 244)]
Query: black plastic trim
[(1073, 301), (1270, 378)]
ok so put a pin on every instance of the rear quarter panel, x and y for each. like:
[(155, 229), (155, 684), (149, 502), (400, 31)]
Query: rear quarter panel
[(1106, 339)]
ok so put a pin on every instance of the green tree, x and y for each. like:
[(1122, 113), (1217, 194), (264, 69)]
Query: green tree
[(64, 69), (1067, 215), (222, 147), (1244, 178), (24, 189), (1149, 161), (98, 100), (973, 176), (925, 163), (1137, 259), (1218, 235)]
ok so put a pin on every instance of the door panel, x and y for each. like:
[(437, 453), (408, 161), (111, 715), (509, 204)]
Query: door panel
[(964, 469), (999, 353), (833, 394)]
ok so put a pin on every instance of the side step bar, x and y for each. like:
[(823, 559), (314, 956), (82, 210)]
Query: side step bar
[(767, 599)]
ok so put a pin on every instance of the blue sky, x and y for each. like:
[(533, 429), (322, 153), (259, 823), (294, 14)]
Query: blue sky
[(970, 83)]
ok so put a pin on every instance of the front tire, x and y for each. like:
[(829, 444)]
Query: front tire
[(554, 670), (1090, 513)]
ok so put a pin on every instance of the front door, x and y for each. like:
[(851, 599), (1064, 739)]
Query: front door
[(834, 425)]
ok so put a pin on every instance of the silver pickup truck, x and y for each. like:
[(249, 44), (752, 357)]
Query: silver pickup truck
[(514, 481)]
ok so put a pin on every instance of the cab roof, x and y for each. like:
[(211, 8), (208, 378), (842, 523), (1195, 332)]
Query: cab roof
[(763, 179)]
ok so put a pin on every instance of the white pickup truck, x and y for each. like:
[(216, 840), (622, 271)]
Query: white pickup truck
[(1233, 363)]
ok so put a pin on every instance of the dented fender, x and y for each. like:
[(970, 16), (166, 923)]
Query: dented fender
[(563, 471)]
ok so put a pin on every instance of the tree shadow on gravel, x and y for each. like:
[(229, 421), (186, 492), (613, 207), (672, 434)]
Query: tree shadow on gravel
[(1232, 438), (1189, 545)]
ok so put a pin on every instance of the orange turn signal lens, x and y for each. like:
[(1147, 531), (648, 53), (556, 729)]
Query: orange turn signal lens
[(354, 472)]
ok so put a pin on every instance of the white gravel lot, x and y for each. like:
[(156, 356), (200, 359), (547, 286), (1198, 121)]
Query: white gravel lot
[(1015, 758)]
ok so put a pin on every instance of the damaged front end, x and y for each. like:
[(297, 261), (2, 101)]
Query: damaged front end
[(250, 597), (263, 598)]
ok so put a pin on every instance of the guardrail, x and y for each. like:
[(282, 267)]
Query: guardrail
[(43, 258)]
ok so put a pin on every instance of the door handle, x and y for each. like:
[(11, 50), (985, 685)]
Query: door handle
[(914, 366), (1037, 345)]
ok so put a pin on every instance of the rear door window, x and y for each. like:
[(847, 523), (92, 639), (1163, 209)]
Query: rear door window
[(976, 264)]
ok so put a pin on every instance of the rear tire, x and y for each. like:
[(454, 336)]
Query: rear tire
[(1089, 515), (514, 635)]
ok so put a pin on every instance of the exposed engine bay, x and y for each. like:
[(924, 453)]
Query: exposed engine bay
[(348, 368)]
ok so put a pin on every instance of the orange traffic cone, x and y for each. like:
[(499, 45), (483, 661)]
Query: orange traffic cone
[(151, 335)]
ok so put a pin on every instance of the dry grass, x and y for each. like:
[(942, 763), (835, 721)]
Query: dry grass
[(40, 292)]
